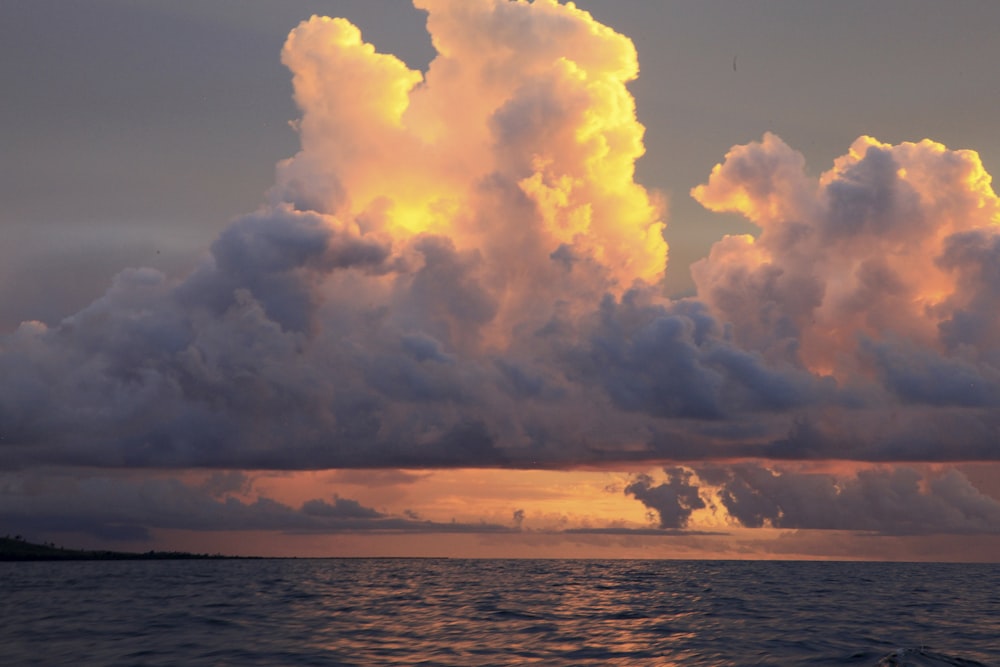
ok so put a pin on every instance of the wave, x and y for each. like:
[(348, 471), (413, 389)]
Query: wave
[(921, 657)]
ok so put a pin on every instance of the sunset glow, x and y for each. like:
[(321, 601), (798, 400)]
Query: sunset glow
[(449, 327)]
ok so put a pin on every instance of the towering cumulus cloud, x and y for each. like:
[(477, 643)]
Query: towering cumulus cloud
[(459, 269), (880, 275), (400, 297), (518, 144)]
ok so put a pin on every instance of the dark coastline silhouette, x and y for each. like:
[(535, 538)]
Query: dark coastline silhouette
[(17, 549)]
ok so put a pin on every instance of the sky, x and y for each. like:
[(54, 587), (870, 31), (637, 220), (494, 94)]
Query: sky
[(484, 278)]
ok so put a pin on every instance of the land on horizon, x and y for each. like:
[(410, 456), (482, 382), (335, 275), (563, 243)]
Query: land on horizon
[(17, 549)]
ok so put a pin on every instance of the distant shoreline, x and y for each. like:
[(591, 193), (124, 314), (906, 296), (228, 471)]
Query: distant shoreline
[(13, 549)]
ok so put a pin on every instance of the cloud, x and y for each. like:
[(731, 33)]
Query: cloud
[(275, 256), (459, 269), (875, 275), (376, 478), (674, 360), (118, 507), (884, 500), (520, 139), (380, 307), (889, 244), (340, 508), (673, 501), (641, 532), (888, 501)]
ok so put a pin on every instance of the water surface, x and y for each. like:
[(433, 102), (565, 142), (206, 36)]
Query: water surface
[(497, 612)]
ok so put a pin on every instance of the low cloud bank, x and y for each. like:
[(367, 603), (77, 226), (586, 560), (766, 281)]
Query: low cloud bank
[(125, 508), (886, 501)]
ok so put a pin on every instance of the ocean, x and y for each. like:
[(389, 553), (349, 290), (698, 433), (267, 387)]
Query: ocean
[(498, 612)]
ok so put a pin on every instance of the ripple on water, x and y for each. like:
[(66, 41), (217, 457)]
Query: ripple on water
[(468, 612)]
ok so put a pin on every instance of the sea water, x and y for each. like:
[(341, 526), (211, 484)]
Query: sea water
[(498, 612)]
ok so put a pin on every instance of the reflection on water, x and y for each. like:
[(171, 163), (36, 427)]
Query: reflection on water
[(494, 612)]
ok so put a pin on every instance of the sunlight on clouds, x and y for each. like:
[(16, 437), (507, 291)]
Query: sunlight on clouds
[(457, 277), (856, 254), (459, 269), (549, 500), (544, 111), (875, 499)]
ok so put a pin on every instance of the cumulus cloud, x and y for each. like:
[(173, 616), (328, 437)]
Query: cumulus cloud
[(876, 275), (673, 501), (385, 304), (459, 269), (893, 244), (674, 360)]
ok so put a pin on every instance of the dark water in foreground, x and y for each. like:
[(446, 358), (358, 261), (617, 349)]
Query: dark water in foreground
[(496, 612)]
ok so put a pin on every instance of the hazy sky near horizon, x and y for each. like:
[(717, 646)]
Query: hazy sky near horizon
[(387, 299)]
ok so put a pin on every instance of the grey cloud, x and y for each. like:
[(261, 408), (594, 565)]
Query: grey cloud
[(137, 379), (675, 361), (268, 243), (274, 255), (217, 370), (445, 297), (975, 312), (340, 508), (870, 199), (523, 381), (172, 370), (125, 508), (767, 305), (885, 431), (673, 500), (224, 482), (464, 441), (898, 501), (306, 341), (649, 363), (423, 348), (405, 378), (924, 377)]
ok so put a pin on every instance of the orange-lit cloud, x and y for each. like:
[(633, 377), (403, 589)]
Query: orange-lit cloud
[(520, 140), (422, 264), (458, 270), (750, 511), (867, 254)]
